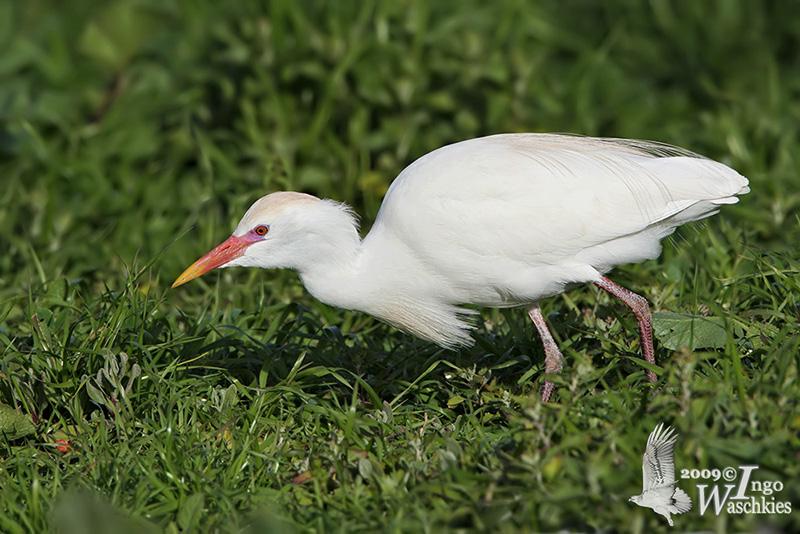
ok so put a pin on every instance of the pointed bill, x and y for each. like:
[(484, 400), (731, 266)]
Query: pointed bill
[(226, 252)]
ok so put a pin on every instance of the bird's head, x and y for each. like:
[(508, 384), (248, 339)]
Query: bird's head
[(636, 499), (281, 230)]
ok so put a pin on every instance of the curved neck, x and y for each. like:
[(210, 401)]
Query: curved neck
[(333, 275), (381, 278)]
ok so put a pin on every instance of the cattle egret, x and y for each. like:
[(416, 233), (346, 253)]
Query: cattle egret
[(499, 221)]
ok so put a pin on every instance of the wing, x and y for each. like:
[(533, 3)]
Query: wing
[(548, 201), (658, 463)]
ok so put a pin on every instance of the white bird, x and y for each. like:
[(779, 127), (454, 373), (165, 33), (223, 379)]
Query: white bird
[(658, 469), (499, 221)]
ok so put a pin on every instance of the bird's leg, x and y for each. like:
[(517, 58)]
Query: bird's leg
[(641, 309), (553, 360)]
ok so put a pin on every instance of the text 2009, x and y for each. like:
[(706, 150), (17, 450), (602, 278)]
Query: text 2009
[(705, 474)]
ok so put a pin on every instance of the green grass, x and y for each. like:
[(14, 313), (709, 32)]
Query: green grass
[(133, 135)]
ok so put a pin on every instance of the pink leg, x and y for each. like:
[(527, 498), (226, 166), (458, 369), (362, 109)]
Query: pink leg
[(640, 308), (553, 360)]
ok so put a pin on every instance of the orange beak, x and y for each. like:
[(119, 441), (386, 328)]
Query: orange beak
[(228, 251)]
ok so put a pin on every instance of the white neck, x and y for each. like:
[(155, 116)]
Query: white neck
[(380, 278), (334, 276)]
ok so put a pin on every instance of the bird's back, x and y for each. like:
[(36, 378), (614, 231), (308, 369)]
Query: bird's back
[(510, 219)]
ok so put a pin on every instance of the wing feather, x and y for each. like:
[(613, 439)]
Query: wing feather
[(544, 199), (658, 462)]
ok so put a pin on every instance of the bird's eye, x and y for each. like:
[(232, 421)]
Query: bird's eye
[(262, 230)]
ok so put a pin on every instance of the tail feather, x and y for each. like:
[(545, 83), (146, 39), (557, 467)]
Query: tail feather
[(694, 188), (692, 179), (683, 503)]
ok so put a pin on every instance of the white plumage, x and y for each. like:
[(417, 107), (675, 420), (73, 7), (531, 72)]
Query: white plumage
[(499, 221), (658, 471)]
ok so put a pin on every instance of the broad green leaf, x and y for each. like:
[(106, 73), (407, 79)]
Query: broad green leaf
[(191, 511), (14, 425), (96, 395), (675, 330), (365, 469), (455, 400)]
